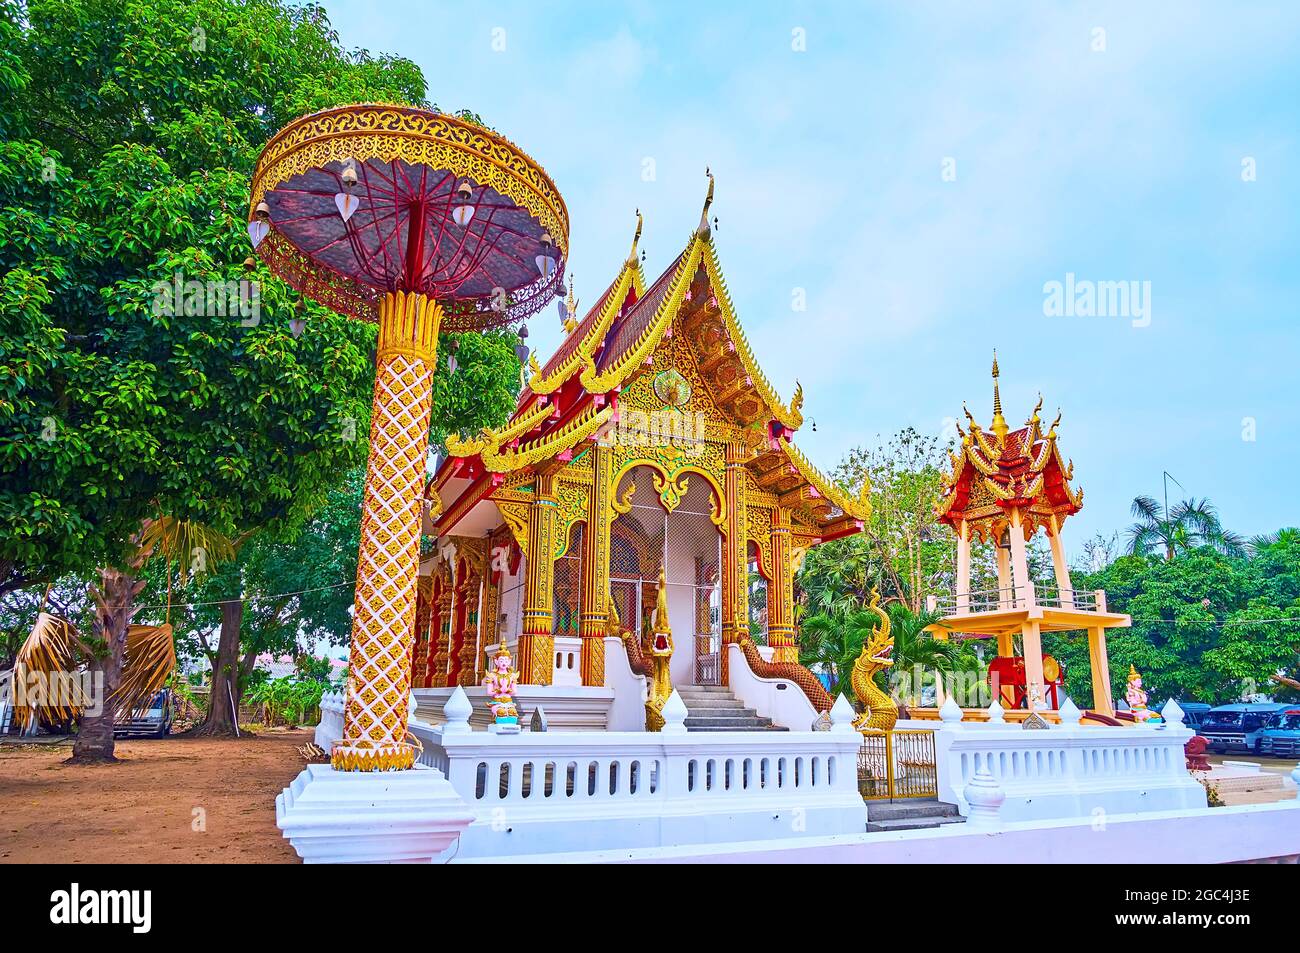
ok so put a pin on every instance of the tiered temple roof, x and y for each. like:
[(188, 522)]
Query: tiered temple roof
[(571, 398), (996, 470)]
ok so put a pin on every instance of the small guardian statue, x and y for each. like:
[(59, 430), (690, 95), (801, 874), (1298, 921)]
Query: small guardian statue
[(1136, 697), (502, 681)]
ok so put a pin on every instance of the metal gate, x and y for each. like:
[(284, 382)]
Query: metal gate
[(687, 546), (897, 764)]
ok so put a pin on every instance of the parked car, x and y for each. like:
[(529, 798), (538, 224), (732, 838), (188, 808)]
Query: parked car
[(1193, 713), (154, 721), (1236, 727), (1280, 736)]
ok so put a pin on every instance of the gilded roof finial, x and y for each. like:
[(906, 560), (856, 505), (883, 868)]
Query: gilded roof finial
[(571, 309), (631, 257), (704, 230), (999, 426)]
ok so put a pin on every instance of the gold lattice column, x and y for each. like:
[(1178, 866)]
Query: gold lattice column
[(536, 642), (780, 600), (379, 675), (595, 568), (735, 556)]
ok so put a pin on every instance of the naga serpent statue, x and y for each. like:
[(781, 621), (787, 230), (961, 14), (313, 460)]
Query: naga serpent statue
[(881, 712), (653, 659)]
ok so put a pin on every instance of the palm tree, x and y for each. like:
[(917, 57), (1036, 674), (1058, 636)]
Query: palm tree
[(916, 651), (1189, 525), (835, 641)]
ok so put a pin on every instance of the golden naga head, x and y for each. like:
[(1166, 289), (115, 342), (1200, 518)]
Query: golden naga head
[(661, 638), (879, 647)]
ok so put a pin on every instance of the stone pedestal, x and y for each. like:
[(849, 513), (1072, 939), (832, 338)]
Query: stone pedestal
[(370, 817)]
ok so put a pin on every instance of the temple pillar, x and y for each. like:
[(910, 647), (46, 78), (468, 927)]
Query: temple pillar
[(443, 606), (1020, 581), (595, 568), (735, 555), (1102, 702), (963, 567), (1031, 645), (388, 563), (460, 616), (491, 608), (433, 629), (536, 642), (1062, 568), (1005, 593), (780, 600), (468, 673), (420, 647)]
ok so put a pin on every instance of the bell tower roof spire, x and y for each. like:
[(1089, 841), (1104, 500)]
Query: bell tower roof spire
[(999, 426)]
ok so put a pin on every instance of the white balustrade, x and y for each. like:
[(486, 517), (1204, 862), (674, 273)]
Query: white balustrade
[(543, 792), (1069, 770), (330, 727)]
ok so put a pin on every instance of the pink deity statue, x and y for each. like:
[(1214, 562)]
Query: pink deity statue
[(502, 681), (1136, 697)]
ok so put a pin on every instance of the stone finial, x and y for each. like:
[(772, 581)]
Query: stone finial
[(1069, 712), (950, 714), (997, 714), (412, 706), (842, 716), (457, 712), (985, 795), (1295, 776), (1173, 713), (674, 715)]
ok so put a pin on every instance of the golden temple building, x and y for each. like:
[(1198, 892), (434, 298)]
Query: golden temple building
[(650, 443)]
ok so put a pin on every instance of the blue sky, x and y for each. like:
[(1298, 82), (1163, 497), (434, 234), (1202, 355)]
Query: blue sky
[(1115, 164)]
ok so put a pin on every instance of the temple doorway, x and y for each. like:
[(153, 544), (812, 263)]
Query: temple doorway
[(687, 546)]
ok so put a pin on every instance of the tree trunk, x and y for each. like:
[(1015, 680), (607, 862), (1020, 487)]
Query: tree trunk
[(222, 712), (114, 598)]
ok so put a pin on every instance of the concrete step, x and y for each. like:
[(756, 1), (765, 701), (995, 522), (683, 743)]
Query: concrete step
[(721, 711), (912, 808), (909, 823), (717, 728), (732, 723), (716, 705), (703, 689)]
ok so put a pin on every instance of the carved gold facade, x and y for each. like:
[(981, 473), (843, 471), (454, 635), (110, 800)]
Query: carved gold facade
[(659, 380)]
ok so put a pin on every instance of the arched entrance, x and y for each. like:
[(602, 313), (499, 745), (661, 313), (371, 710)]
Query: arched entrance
[(687, 546)]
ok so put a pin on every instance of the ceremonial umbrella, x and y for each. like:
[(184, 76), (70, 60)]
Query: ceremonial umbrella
[(419, 222)]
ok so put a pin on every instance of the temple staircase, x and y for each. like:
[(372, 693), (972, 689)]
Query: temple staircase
[(716, 708), (911, 815)]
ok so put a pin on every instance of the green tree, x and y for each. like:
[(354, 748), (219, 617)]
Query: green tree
[(130, 132)]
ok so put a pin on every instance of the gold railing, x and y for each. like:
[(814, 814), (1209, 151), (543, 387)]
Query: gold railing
[(897, 764)]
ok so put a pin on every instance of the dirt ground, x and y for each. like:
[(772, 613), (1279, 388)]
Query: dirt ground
[(146, 808)]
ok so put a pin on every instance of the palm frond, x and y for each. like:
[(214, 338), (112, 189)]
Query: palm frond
[(1146, 508), (195, 547), (49, 652), (150, 659)]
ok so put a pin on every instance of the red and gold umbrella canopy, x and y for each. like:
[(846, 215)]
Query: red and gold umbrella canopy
[(419, 222), (358, 201)]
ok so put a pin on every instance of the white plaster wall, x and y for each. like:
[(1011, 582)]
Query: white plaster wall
[(1216, 835), (777, 698)]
